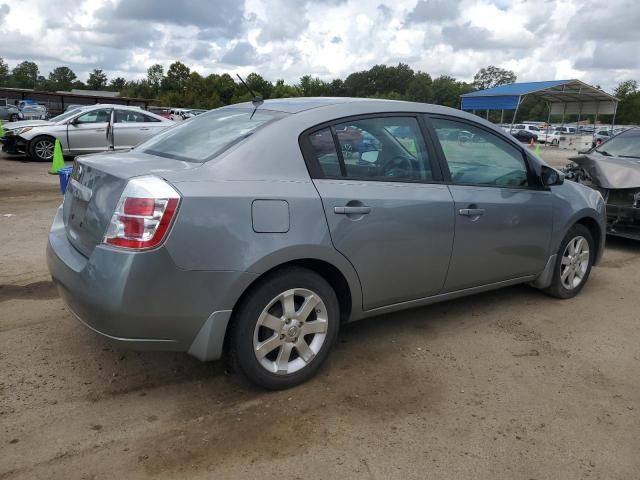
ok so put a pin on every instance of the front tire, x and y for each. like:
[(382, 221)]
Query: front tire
[(41, 148), (573, 265), (284, 329)]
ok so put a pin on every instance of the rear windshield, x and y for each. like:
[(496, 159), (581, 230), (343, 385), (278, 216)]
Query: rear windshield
[(203, 137)]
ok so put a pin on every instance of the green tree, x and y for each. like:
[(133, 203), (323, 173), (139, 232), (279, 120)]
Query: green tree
[(419, 89), (4, 73), (259, 85), (626, 88), (629, 107), (313, 87), (176, 78), (61, 78), (25, 75), (493, 76), (282, 90), (155, 74), (97, 80), (117, 84)]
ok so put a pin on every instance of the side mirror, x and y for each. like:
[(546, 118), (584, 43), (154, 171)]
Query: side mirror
[(551, 176)]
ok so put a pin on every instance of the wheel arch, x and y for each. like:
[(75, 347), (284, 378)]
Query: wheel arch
[(596, 233)]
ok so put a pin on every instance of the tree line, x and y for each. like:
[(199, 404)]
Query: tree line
[(179, 86)]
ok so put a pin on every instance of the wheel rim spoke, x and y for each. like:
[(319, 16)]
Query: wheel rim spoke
[(272, 322), (268, 346), (307, 307), (305, 352), (282, 362), (565, 273), (566, 260), (317, 326), (288, 304), (584, 256)]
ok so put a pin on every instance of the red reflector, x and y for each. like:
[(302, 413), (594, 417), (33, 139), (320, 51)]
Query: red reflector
[(139, 206), (133, 227)]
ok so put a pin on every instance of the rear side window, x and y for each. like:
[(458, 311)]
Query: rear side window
[(390, 149), (130, 116), (477, 157), (206, 136), (101, 115)]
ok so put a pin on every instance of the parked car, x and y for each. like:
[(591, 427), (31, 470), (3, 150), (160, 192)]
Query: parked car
[(95, 128), (552, 137), (567, 130), (163, 112), (9, 112), (527, 126), (524, 136), (602, 135), (613, 169), (33, 111), (248, 231)]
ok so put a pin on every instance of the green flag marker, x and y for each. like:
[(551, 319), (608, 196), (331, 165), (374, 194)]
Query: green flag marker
[(537, 149), (1, 130), (58, 159)]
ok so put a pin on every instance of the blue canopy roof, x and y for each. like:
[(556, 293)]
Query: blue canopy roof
[(506, 97)]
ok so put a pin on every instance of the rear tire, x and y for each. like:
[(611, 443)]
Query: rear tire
[(573, 265), (41, 148), (283, 330)]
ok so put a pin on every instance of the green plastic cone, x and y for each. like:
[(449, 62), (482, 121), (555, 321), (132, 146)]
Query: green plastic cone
[(58, 159)]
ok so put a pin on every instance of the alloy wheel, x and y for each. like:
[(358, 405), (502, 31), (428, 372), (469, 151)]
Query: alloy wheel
[(290, 331), (575, 262), (44, 149)]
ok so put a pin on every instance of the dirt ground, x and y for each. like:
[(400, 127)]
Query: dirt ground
[(504, 385)]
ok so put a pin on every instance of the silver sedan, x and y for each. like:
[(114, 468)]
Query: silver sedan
[(92, 129), (257, 231)]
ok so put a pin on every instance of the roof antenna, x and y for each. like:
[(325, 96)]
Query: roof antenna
[(255, 99)]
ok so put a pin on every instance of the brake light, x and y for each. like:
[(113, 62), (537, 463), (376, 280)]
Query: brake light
[(144, 214)]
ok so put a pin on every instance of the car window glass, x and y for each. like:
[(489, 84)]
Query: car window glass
[(385, 149), (324, 151), (131, 116), (100, 115), (478, 157)]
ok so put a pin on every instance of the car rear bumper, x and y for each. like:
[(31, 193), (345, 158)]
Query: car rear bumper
[(141, 299)]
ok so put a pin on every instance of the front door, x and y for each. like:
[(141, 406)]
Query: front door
[(503, 220), (386, 211), (88, 132)]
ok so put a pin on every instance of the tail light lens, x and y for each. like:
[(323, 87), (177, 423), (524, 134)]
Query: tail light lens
[(143, 215)]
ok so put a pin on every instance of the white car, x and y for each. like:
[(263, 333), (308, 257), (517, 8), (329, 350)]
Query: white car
[(551, 137)]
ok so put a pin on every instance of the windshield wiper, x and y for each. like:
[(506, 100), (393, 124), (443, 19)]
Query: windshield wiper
[(605, 153), (628, 156)]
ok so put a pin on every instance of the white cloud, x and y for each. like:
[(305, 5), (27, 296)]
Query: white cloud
[(538, 39)]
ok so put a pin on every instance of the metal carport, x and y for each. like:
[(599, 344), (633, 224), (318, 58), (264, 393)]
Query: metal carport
[(563, 97)]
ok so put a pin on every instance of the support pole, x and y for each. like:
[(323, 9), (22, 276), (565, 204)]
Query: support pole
[(564, 110), (613, 120), (595, 120), (502, 116), (487, 114), (513, 120)]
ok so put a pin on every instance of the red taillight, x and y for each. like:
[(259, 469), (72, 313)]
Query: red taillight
[(144, 213), (139, 206)]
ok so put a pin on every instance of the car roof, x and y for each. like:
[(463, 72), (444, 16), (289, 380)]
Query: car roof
[(296, 105)]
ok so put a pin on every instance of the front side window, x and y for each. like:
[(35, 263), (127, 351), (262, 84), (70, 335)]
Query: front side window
[(101, 115), (131, 116), (477, 157), (388, 149)]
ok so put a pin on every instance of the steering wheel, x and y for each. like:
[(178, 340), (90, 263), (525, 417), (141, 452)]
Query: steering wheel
[(398, 166)]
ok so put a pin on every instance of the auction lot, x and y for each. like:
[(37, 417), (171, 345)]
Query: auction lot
[(506, 384)]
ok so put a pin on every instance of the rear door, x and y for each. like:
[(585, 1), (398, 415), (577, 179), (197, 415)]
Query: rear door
[(132, 127), (503, 219), (387, 211), (88, 132)]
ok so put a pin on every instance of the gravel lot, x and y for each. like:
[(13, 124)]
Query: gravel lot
[(508, 384)]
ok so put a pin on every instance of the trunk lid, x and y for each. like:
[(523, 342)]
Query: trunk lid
[(95, 187)]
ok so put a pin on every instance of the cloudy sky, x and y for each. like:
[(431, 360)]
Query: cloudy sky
[(596, 41)]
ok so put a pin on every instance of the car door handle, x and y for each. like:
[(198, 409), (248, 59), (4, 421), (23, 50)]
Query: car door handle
[(144, 128), (471, 212), (100, 130), (351, 210)]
